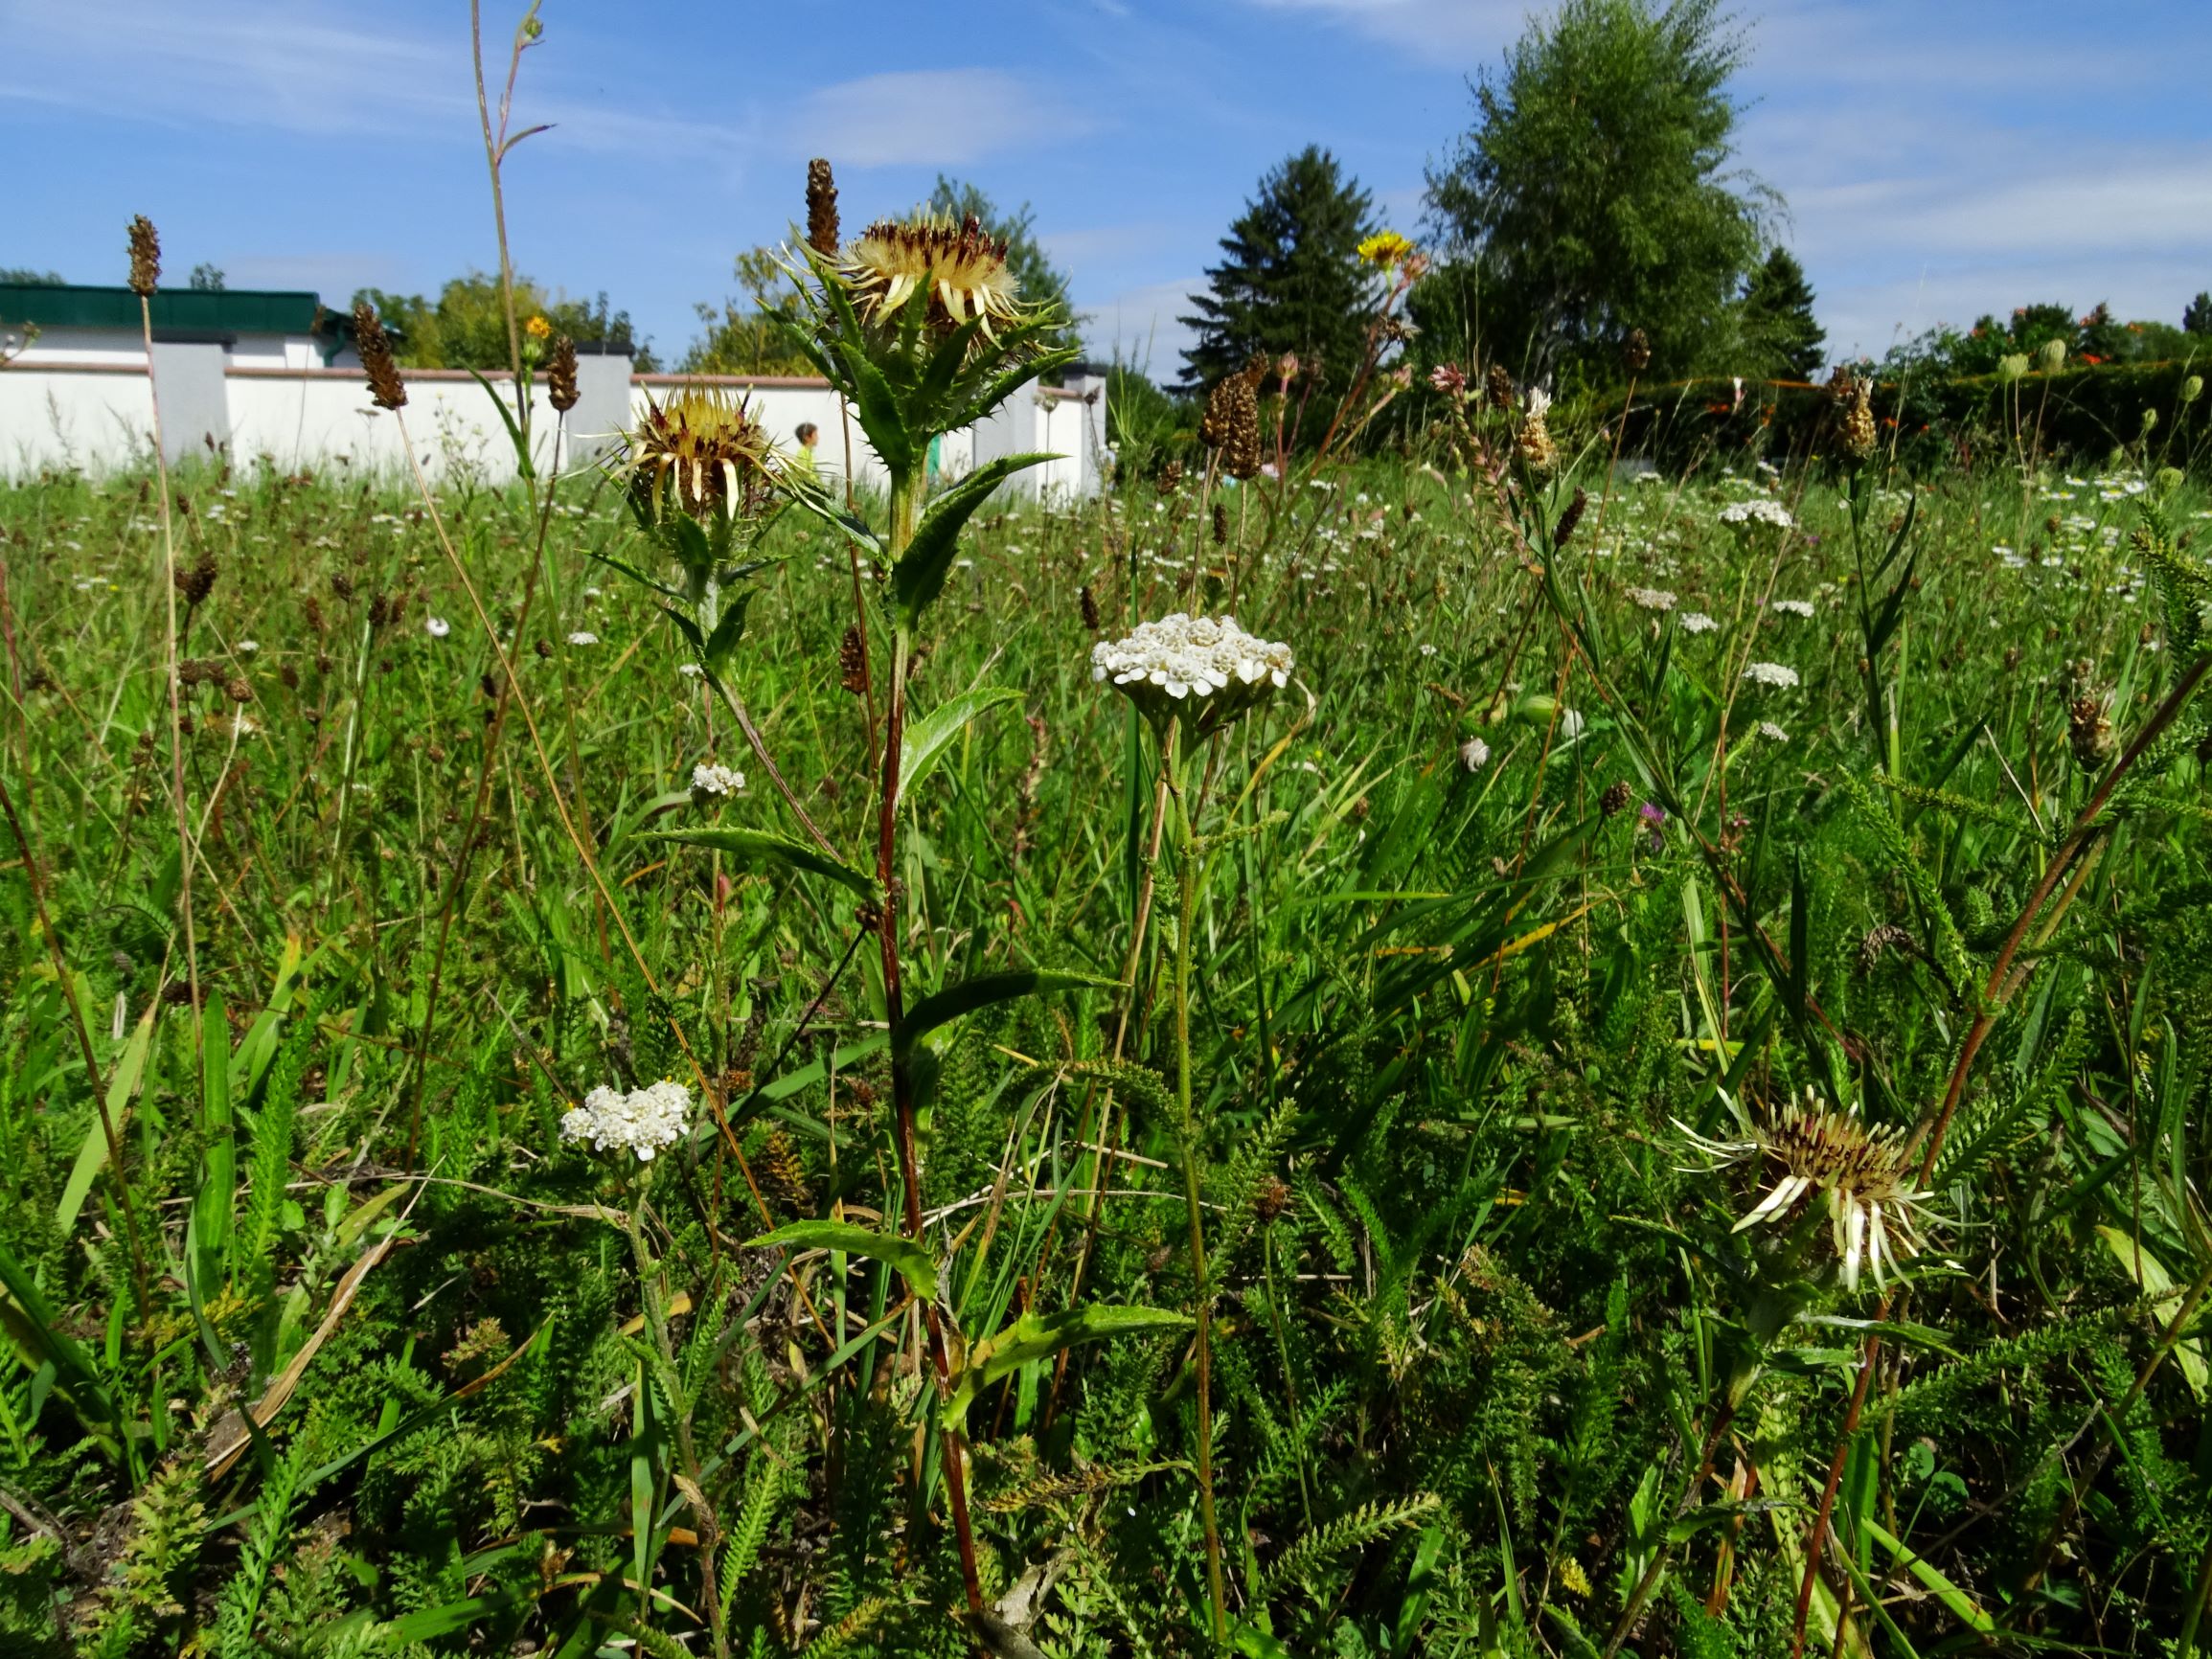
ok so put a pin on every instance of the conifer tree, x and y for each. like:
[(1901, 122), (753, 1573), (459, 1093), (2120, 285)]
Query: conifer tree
[(2196, 317), (1291, 280), (1778, 322)]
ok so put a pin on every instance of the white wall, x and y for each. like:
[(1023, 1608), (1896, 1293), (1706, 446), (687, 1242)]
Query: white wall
[(99, 418)]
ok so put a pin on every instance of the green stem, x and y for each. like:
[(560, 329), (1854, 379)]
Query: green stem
[(1187, 863)]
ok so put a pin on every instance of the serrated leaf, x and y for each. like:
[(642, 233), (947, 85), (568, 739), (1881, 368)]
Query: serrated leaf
[(927, 740), (919, 576), (912, 1262), (760, 849), (946, 1006)]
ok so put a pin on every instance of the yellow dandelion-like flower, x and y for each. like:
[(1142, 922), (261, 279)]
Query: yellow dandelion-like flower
[(538, 328), (1866, 1180), (705, 450), (957, 266), (1385, 250)]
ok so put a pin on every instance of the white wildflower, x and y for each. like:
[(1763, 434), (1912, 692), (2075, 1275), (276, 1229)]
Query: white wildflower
[(643, 1120), (1792, 607), (583, 637), (1759, 509), (1771, 674), (1570, 724), (689, 671), (1205, 670), (247, 648), (437, 626), (1474, 754), (1652, 598), (1696, 621), (1772, 732), (711, 781)]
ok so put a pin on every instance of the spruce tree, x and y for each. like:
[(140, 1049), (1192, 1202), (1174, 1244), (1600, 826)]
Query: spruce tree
[(2196, 317), (1292, 280), (1778, 322)]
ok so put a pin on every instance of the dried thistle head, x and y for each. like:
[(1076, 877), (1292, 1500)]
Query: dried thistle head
[(2089, 728), (1636, 351), (198, 582), (1859, 436), (1865, 1179), (1615, 800), (822, 229), (560, 374), (957, 268), (704, 452), (145, 257), (386, 390)]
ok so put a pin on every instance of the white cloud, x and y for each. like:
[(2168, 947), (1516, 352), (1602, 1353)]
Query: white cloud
[(1430, 27), (1139, 326), (929, 118)]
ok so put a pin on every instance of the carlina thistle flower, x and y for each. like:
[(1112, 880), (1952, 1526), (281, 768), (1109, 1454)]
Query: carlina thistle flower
[(1205, 672), (386, 390), (641, 1122), (1636, 351), (958, 266), (1865, 1178), (560, 376), (702, 452), (145, 257), (822, 229)]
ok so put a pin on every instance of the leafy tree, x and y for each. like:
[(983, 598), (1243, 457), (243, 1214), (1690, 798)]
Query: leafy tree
[(207, 278), (743, 334), (23, 276), (466, 327), (1596, 191), (1778, 322), (1038, 279), (2197, 316), (1292, 281)]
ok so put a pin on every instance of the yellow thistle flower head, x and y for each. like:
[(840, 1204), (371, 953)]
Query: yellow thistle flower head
[(957, 267), (1385, 250), (538, 328), (1865, 1179), (704, 451)]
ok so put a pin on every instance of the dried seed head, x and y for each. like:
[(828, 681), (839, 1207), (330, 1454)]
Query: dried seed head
[(1089, 603), (198, 582), (1880, 941), (290, 675), (822, 230), (1571, 518), (1858, 435), (782, 1178), (2089, 729), (1270, 1201), (145, 257), (1538, 452), (237, 690), (1220, 525), (1498, 385), (386, 390), (1171, 477), (1636, 351), (560, 374), (853, 661), (1231, 425), (1614, 800)]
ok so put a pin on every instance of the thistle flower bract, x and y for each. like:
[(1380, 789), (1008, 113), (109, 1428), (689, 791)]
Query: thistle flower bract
[(145, 257), (957, 266), (703, 453), (1863, 1178), (1205, 671), (643, 1120)]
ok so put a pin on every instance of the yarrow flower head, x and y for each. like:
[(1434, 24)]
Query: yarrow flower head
[(1204, 672), (1772, 732), (713, 781), (1652, 598), (643, 1120), (1865, 1178), (1696, 621), (1774, 674), (583, 637), (1798, 607), (1759, 509)]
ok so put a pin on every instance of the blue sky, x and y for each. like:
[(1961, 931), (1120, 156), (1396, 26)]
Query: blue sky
[(1939, 157)]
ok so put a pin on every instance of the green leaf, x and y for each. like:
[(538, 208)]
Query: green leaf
[(522, 466), (92, 1156), (759, 849), (926, 739), (729, 630), (40, 1341), (1961, 1605), (1038, 1336), (919, 576), (946, 1006), (911, 1260)]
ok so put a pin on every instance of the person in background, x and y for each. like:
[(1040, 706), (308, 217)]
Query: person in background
[(803, 458)]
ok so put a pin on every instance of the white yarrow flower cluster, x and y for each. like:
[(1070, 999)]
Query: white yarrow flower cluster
[(1802, 607), (643, 1120), (1652, 598), (1206, 671), (1696, 621), (713, 780), (1759, 509), (1772, 732), (1773, 674), (583, 637)]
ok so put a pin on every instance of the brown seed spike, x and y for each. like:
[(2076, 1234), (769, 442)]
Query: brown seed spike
[(853, 662), (822, 228), (145, 257), (386, 390), (1088, 600), (1636, 351), (560, 374)]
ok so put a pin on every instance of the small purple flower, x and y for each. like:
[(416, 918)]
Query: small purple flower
[(1653, 815)]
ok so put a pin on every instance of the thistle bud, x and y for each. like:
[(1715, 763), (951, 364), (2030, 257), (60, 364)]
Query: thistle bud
[(2052, 357), (822, 229), (1636, 351), (145, 257), (2193, 388), (560, 374), (386, 390), (2150, 421)]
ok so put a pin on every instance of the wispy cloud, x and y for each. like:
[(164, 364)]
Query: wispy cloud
[(930, 118), (1141, 326), (1431, 27)]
